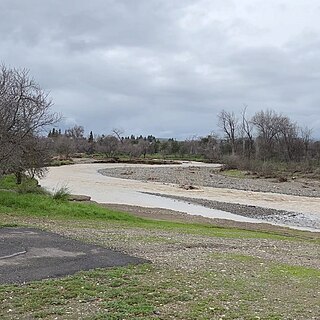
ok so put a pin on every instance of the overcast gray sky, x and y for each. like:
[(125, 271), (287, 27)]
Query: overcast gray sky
[(167, 67)]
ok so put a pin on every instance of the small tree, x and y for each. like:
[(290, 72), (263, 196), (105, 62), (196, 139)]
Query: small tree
[(108, 145)]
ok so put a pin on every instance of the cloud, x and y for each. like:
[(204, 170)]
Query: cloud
[(167, 67)]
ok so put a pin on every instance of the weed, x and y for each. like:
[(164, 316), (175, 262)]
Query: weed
[(234, 173), (61, 194)]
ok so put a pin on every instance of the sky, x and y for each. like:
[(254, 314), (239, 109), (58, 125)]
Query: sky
[(167, 67)]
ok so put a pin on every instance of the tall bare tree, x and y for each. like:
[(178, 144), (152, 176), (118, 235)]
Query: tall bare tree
[(288, 139), (247, 131), (268, 126), (118, 133), (306, 136), (228, 122), (25, 110)]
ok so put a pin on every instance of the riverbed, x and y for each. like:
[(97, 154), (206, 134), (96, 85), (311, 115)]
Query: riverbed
[(300, 212)]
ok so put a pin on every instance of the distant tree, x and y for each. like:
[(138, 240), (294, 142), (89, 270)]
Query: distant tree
[(267, 124), (118, 133), (209, 147), (228, 122), (306, 136), (247, 132), (64, 146), (90, 139), (108, 145), (91, 143), (76, 132), (174, 146)]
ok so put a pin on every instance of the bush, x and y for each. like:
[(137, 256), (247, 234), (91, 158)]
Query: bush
[(58, 163), (61, 194), (231, 163), (26, 187)]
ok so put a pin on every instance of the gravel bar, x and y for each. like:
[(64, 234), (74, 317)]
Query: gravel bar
[(209, 177), (266, 214)]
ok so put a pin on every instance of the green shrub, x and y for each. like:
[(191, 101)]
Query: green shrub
[(30, 188), (28, 185), (61, 194)]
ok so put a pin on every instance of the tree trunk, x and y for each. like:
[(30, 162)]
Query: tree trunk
[(18, 177)]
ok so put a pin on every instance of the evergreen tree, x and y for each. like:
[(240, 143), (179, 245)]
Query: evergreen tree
[(90, 139)]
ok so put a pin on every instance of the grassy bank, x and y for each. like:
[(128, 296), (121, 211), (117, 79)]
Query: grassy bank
[(198, 271), (44, 206)]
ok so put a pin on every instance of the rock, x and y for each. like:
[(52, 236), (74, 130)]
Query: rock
[(79, 197), (188, 187)]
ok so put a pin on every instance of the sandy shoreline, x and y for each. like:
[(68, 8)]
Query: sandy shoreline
[(239, 205)]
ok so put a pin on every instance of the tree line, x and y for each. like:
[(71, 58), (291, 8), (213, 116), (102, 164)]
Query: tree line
[(267, 135), (26, 146)]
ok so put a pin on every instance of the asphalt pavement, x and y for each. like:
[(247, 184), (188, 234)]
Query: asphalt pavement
[(28, 254)]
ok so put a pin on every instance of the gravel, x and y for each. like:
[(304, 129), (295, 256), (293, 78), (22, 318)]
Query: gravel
[(186, 251), (266, 214), (209, 177), (193, 177)]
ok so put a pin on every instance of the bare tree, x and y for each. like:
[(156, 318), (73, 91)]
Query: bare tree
[(25, 110), (76, 132), (118, 133), (210, 147), (247, 131), (35, 156), (306, 136), (64, 146), (228, 122), (108, 144), (278, 136), (288, 139), (267, 125)]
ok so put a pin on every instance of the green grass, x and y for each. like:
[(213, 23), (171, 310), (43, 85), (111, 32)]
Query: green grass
[(296, 272), (249, 289), (234, 173), (8, 182), (35, 205), (28, 185), (227, 286), (45, 206)]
